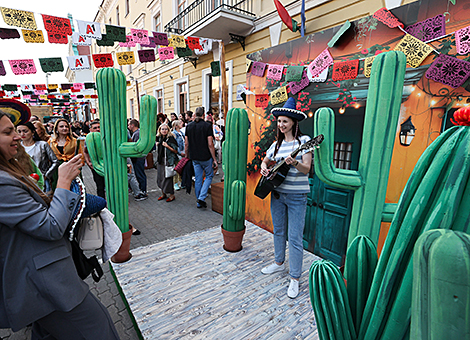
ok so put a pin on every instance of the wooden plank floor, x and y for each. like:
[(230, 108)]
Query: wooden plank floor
[(190, 288)]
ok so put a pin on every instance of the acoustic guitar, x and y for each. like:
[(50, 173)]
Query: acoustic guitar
[(277, 173)]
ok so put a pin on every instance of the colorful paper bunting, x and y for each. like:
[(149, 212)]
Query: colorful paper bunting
[(294, 73), (345, 70), (257, 69), (462, 40), (51, 64), (14, 17), (206, 46), (103, 60), (387, 18), (321, 62), (279, 95), (321, 78), (415, 50), (52, 87), (57, 25), (9, 33), (89, 29), (129, 42), (161, 38), (81, 40), (262, 100), (297, 86), (449, 71), (215, 68), (41, 87), (184, 52), (368, 66), (31, 36), (151, 43), (22, 66), (3, 72), (116, 33), (165, 53), (428, 29), (140, 36), (177, 41), (146, 56), (125, 58), (57, 38), (78, 62), (193, 43), (274, 72), (105, 41)]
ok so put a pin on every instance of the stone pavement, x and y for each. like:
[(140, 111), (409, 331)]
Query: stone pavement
[(157, 221)]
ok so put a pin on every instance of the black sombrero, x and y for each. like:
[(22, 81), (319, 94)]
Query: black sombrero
[(289, 110), (19, 113)]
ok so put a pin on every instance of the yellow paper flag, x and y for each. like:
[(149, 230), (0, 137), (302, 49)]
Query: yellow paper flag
[(368, 66), (177, 41), (248, 64), (415, 50), (125, 58), (14, 17), (52, 86), (279, 96), (31, 36)]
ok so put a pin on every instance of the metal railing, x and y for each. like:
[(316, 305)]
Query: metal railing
[(200, 9)]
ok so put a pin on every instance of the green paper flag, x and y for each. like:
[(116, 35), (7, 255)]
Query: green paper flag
[(9, 87), (51, 64), (184, 52), (105, 41), (294, 73), (215, 68), (338, 34), (89, 85), (116, 33)]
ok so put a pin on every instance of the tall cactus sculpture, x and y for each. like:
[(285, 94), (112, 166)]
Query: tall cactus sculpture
[(235, 150), (381, 120), (109, 149), (441, 286), (436, 196)]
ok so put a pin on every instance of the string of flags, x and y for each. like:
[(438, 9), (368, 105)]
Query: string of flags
[(153, 45), (51, 92), (445, 69)]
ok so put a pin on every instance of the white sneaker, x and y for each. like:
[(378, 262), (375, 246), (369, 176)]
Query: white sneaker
[(272, 268), (293, 289)]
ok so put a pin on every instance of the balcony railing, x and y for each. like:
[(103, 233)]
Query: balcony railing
[(200, 9)]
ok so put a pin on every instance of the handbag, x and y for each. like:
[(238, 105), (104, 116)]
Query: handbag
[(169, 171), (84, 265), (90, 233), (181, 164)]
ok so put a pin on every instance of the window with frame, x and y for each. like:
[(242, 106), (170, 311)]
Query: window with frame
[(131, 107), (159, 97), (118, 22), (127, 7), (157, 23), (181, 8), (342, 155), (183, 96)]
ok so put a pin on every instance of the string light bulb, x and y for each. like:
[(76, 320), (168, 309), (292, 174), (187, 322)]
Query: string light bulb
[(342, 109)]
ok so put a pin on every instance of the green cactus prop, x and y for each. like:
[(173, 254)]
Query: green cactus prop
[(112, 143), (381, 120), (441, 286), (330, 302), (361, 261), (235, 149)]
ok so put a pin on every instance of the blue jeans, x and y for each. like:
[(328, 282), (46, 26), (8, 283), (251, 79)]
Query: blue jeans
[(201, 167), (288, 215), (139, 170)]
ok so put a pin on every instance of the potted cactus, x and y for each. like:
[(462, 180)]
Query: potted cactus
[(109, 148), (235, 150)]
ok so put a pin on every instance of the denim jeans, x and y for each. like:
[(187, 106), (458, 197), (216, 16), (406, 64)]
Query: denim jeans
[(201, 188), (288, 215), (139, 170)]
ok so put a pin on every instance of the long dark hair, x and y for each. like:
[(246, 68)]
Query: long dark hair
[(15, 170), (31, 128), (280, 136)]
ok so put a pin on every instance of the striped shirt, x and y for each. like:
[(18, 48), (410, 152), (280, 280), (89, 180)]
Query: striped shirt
[(296, 182)]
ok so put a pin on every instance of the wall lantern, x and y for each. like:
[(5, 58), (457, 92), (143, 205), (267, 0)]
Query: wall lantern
[(407, 132)]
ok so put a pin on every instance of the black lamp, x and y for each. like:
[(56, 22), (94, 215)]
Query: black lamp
[(407, 132)]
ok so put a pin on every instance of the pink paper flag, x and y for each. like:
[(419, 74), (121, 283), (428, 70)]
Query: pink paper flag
[(23, 66), (165, 53), (129, 42), (462, 40), (140, 36), (258, 68), (275, 72), (296, 86), (78, 86), (320, 63)]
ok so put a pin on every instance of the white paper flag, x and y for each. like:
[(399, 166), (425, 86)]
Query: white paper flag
[(321, 78), (80, 40), (206, 45), (89, 29), (27, 87), (78, 62)]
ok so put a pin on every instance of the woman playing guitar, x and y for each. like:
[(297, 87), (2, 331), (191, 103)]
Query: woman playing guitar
[(289, 200)]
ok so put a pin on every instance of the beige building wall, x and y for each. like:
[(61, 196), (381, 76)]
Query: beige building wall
[(148, 78)]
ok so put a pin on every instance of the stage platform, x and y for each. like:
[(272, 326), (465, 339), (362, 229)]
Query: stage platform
[(189, 287)]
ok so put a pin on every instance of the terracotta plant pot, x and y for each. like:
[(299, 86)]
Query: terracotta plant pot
[(123, 253), (233, 240)]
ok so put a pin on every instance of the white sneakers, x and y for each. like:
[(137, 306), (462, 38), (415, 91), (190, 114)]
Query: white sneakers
[(293, 289), (272, 268)]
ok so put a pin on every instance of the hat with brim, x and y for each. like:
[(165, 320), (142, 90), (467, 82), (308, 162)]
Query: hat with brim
[(19, 113), (289, 110)]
